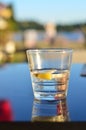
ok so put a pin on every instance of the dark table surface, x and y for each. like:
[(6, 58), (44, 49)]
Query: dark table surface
[(15, 86)]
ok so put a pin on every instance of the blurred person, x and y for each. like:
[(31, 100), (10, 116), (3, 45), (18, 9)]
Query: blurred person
[(50, 33), (30, 38)]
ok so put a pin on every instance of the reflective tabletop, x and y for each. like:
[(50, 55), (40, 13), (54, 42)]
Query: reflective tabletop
[(15, 88)]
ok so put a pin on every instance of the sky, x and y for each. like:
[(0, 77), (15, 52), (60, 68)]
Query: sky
[(55, 11)]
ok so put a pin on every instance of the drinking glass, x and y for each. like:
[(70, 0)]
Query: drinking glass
[(50, 72)]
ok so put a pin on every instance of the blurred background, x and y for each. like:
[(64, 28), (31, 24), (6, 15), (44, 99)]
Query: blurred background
[(41, 24)]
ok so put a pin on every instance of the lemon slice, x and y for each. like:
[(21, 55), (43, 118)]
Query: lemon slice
[(45, 76)]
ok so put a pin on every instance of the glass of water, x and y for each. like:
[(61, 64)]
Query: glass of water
[(50, 72)]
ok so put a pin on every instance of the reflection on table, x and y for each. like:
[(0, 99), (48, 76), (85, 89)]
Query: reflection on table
[(53, 111)]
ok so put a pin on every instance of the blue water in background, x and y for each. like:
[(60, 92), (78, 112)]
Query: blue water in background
[(41, 36), (72, 35)]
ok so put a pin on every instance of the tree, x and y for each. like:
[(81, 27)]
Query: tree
[(83, 29)]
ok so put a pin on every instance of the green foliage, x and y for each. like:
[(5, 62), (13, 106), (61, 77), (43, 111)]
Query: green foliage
[(31, 25), (12, 25), (69, 27)]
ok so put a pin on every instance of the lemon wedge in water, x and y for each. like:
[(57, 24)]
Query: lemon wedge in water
[(45, 76)]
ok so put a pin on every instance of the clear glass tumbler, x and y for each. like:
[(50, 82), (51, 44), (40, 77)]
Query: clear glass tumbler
[(50, 72)]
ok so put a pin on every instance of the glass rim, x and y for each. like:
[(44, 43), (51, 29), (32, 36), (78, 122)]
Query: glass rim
[(66, 50)]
